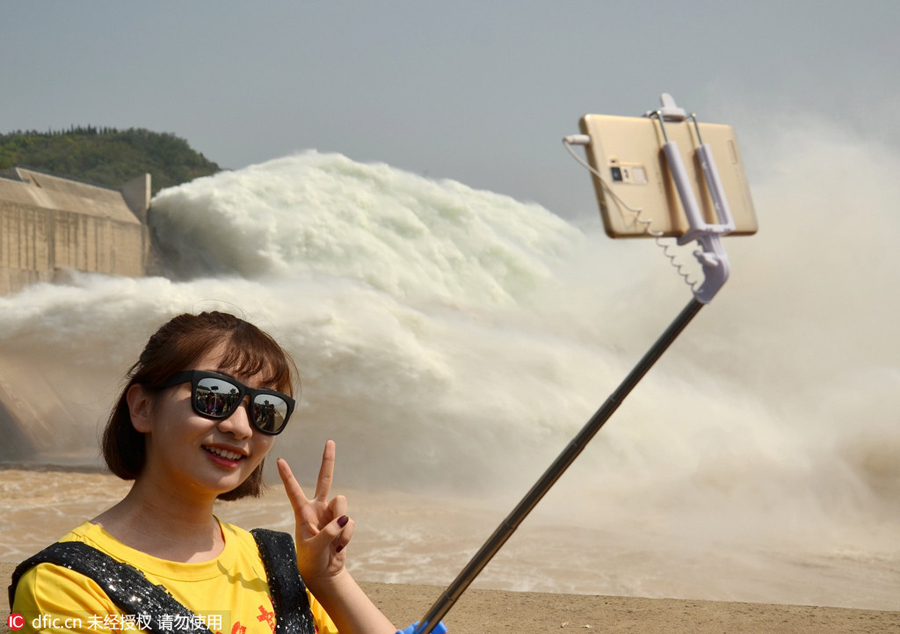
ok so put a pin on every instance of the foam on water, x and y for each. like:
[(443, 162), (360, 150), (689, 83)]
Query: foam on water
[(452, 341)]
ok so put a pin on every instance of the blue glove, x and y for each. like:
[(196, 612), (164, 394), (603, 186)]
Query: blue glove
[(440, 628)]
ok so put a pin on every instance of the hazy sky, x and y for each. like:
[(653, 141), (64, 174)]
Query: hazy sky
[(480, 92)]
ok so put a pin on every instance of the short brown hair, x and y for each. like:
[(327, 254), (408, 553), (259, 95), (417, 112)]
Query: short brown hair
[(175, 347)]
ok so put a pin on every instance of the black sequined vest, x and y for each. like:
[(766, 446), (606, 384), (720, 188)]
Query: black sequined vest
[(133, 593)]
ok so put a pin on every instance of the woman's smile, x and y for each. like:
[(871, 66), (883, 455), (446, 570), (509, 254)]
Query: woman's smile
[(223, 456)]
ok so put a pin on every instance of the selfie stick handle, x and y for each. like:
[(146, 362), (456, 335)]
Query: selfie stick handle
[(562, 462)]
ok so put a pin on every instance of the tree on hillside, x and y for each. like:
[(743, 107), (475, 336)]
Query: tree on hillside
[(106, 156)]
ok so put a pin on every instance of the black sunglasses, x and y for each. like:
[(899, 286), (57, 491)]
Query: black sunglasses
[(218, 396)]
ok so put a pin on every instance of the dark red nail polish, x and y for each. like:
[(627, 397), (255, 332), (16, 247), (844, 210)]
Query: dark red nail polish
[(342, 521), (338, 549)]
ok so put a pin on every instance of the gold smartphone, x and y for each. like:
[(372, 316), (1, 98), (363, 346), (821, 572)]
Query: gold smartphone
[(639, 191)]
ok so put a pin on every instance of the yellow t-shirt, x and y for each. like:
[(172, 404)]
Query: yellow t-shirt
[(229, 593)]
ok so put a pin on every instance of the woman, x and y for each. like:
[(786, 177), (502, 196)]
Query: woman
[(194, 423)]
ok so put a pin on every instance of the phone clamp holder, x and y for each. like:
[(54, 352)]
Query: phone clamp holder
[(711, 255)]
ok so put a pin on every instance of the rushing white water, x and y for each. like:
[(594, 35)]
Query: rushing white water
[(452, 341)]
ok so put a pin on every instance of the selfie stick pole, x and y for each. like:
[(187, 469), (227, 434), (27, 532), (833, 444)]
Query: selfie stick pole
[(511, 523), (715, 267)]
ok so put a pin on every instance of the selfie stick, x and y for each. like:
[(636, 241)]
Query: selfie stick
[(714, 262)]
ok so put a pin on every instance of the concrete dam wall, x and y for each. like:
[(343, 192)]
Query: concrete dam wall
[(49, 225)]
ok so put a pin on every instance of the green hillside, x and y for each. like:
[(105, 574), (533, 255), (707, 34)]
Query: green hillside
[(106, 156)]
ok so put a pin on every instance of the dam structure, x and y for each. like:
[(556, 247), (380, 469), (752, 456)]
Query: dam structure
[(50, 225)]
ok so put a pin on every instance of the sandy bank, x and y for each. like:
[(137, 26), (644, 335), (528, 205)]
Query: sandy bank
[(492, 611)]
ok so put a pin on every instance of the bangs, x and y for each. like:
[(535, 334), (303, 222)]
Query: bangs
[(246, 351), (252, 353)]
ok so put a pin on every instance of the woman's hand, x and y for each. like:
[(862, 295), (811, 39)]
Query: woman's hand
[(322, 526), (323, 530)]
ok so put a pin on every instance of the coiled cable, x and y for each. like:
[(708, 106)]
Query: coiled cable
[(669, 248)]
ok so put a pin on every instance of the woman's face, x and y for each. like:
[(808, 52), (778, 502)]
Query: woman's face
[(190, 454)]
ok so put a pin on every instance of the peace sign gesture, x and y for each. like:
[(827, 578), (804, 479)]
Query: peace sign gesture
[(322, 526), (323, 529)]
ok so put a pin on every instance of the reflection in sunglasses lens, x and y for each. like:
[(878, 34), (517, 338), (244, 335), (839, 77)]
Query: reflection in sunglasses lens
[(269, 412), (216, 398)]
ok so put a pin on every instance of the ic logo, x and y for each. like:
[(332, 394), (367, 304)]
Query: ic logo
[(15, 621)]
